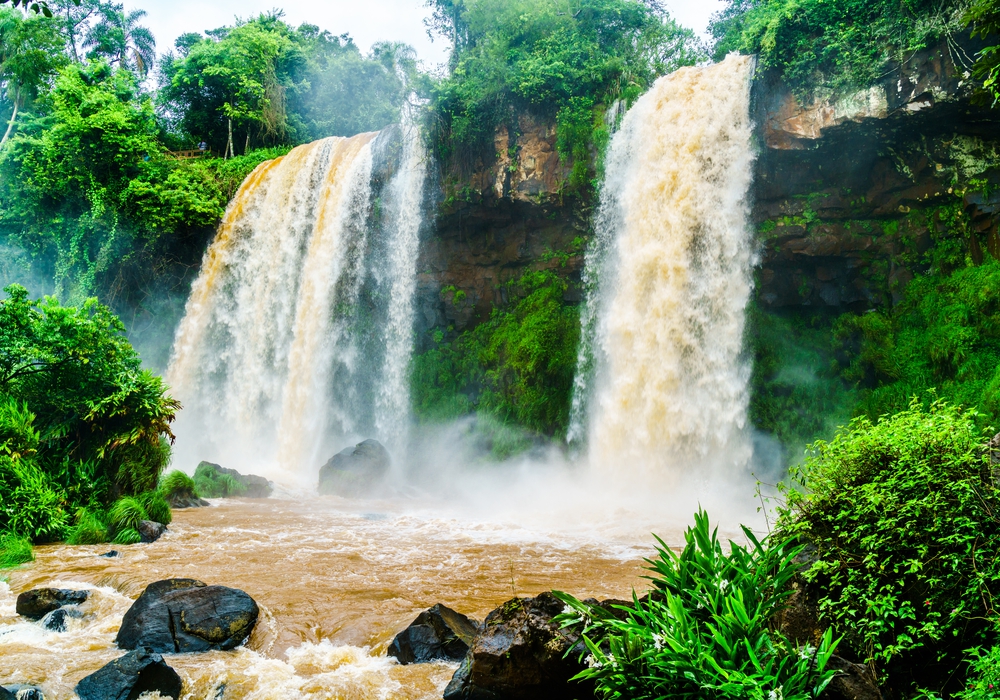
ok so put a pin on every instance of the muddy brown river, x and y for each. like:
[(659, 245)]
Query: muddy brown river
[(335, 580)]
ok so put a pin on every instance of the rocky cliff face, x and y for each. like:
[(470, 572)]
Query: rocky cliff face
[(852, 197)]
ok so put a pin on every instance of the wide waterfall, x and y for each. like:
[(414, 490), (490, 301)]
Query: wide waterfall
[(662, 384), (297, 333)]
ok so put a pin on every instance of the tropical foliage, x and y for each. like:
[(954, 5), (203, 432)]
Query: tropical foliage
[(517, 366), (705, 629), (901, 519), (81, 423)]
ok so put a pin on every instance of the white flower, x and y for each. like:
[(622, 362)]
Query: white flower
[(723, 584), (775, 694), (807, 652), (592, 662), (567, 610), (658, 642)]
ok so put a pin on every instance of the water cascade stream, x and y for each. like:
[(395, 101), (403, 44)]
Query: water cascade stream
[(298, 330), (661, 381)]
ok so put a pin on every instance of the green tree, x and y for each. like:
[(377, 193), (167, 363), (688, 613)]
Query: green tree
[(30, 54), (79, 418), (118, 37)]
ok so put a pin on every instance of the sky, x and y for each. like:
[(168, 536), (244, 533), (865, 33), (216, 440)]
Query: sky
[(368, 21)]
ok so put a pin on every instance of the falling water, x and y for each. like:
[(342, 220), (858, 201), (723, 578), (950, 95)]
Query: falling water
[(274, 360), (661, 380)]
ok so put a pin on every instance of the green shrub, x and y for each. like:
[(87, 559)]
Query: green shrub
[(91, 528), (14, 550), (517, 366), (156, 507), (179, 484), (703, 632), (984, 675), (211, 483), (138, 466), (125, 514), (127, 536), (944, 334), (32, 505), (903, 517)]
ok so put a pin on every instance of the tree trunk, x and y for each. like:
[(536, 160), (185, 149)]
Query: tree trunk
[(13, 116), (229, 145), (246, 149)]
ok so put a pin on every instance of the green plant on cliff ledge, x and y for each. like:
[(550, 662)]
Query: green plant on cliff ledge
[(902, 517), (840, 45), (517, 366), (984, 18), (943, 335), (704, 632)]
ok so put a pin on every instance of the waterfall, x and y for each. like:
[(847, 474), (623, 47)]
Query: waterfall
[(661, 381), (297, 334)]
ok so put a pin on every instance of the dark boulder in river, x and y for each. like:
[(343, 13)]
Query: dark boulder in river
[(184, 615), (6, 694), (355, 471), (138, 672), (150, 531), (520, 654), (39, 602), (437, 633)]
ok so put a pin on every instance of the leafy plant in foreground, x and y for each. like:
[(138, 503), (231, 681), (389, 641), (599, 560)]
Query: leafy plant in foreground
[(904, 515), (704, 630), (127, 536), (91, 528), (125, 514), (156, 507)]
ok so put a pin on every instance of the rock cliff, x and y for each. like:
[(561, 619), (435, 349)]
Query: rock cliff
[(852, 197)]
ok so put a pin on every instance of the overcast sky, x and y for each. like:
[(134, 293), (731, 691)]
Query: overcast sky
[(367, 21)]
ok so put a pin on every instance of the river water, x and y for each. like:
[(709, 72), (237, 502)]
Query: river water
[(335, 580)]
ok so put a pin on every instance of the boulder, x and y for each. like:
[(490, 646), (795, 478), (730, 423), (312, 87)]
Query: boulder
[(253, 486), (39, 602), (186, 499), (521, 654), (6, 694), (852, 682), (355, 471), (55, 621), (109, 555), (150, 531), (138, 672), (184, 615), (437, 633)]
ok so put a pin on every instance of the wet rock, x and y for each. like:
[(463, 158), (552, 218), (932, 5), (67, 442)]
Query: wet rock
[(520, 654), (437, 633), (355, 471), (186, 500), (6, 694), (109, 555), (852, 682), (39, 602), (138, 672), (185, 615), (55, 621), (26, 692), (253, 486), (150, 531)]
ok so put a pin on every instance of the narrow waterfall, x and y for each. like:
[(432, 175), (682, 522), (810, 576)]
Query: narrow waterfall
[(298, 330), (661, 383)]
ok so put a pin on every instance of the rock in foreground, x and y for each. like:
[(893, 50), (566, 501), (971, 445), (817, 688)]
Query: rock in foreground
[(150, 531), (137, 672), (39, 602), (184, 615), (355, 471), (520, 654), (437, 633)]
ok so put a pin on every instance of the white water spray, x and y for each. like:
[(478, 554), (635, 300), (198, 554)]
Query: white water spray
[(662, 385)]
